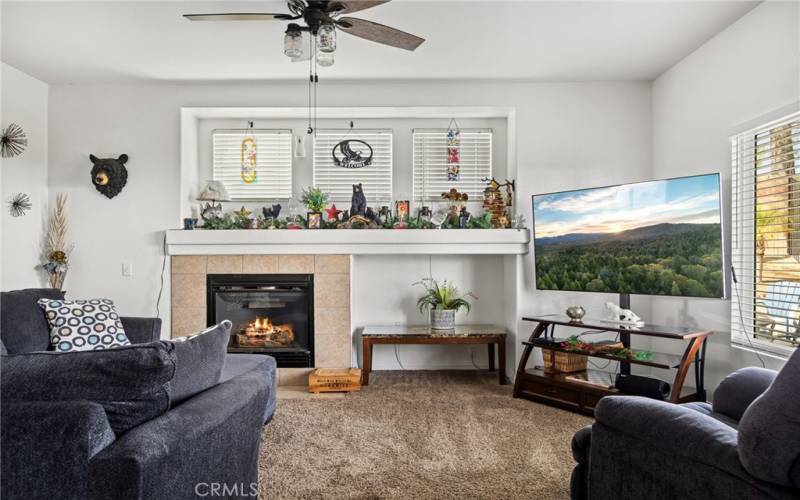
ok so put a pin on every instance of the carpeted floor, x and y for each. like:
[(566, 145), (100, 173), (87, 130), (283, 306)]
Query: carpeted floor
[(419, 435)]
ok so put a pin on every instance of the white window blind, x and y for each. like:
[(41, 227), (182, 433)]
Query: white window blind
[(765, 239), (430, 163), (273, 163), (375, 179)]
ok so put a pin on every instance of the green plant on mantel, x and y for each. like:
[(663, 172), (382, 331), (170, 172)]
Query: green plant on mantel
[(315, 199), (444, 296)]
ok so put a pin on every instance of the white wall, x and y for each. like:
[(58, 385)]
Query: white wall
[(568, 134), (748, 70), (24, 102)]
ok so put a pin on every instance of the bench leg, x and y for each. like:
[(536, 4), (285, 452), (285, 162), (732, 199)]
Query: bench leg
[(491, 357)]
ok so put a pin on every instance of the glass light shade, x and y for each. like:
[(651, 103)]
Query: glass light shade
[(293, 44), (326, 38), (300, 146), (325, 59)]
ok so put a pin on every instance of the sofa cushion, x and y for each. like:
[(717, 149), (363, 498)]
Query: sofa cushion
[(83, 325), (131, 383), (199, 360), (706, 409), (23, 325), (769, 431), (265, 366)]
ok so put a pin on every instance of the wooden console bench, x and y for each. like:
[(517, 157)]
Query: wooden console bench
[(556, 390), (463, 334)]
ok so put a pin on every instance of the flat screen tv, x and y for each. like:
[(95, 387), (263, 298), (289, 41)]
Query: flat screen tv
[(651, 238)]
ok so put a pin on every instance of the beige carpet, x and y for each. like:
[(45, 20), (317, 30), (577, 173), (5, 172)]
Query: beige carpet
[(419, 435)]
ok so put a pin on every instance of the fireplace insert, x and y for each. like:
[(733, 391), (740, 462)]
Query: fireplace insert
[(271, 314)]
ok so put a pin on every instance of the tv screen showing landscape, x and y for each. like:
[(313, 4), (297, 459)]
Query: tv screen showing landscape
[(651, 238)]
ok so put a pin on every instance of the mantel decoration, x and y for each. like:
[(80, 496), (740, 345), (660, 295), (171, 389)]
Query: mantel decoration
[(12, 141), (56, 250), (19, 204), (249, 156), (498, 203), (442, 300), (109, 175), (359, 216), (453, 151), (213, 192)]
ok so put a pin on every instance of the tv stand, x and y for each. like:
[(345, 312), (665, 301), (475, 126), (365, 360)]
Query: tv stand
[(555, 390)]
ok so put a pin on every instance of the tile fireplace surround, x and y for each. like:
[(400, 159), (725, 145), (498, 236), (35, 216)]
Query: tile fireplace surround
[(332, 327)]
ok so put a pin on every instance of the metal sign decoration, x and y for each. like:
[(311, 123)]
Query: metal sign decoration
[(346, 157)]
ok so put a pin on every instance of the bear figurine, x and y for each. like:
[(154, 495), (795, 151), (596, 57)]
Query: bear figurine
[(358, 205), (109, 175)]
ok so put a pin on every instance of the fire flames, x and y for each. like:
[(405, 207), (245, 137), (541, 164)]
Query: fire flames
[(262, 332)]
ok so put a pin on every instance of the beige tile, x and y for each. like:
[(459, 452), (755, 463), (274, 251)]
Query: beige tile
[(332, 290), (332, 264), (189, 264), (331, 351), (188, 320), (332, 321), (188, 290), (259, 264), (295, 264), (224, 264), (293, 376)]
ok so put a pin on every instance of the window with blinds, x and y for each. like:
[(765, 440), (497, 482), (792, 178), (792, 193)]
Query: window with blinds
[(430, 163), (375, 178), (766, 237), (273, 175)]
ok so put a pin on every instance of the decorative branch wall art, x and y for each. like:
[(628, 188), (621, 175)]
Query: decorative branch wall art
[(109, 175), (12, 141), (19, 204)]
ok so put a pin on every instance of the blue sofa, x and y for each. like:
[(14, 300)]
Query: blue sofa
[(746, 445), (65, 449)]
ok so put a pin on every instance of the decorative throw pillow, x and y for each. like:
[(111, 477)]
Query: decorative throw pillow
[(83, 325), (198, 361)]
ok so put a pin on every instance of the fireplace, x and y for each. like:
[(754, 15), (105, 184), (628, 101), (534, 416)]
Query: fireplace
[(271, 314)]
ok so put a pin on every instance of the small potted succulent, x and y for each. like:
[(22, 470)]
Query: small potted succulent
[(315, 200), (443, 300)]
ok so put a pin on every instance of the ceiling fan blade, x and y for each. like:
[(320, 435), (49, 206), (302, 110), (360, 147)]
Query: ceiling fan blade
[(349, 6), (239, 17), (379, 33)]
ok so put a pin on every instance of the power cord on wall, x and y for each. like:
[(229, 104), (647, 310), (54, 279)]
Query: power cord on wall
[(163, 268)]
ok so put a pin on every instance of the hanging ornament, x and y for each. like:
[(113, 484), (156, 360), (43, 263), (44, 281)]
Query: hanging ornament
[(300, 146), (453, 151), (19, 204), (12, 141), (249, 157)]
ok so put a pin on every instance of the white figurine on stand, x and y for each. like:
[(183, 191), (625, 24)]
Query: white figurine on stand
[(616, 314)]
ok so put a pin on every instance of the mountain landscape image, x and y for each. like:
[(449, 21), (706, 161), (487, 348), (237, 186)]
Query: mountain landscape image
[(653, 238)]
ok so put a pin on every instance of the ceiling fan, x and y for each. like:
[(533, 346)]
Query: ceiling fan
[(321, 20)]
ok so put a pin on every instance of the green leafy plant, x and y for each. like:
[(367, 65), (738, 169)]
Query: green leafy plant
[(224, 222), (315, 199), (444, 296)]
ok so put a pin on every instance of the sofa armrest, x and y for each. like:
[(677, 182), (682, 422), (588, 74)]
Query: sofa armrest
[(142, 330), (740, 389), (213, 437), (673, 430), (47, 446)]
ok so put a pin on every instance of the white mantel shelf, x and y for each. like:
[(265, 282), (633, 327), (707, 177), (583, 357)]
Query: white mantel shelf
[(349, 241)]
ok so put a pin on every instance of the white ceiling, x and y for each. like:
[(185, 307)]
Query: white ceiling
[(61, 42)]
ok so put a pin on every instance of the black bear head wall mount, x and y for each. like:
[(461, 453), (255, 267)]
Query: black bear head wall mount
[(109, 175)]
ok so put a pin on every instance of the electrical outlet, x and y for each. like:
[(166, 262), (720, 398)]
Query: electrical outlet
[(127, 269)]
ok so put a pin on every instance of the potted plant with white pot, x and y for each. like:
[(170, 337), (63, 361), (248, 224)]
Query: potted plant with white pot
[(443, 300)]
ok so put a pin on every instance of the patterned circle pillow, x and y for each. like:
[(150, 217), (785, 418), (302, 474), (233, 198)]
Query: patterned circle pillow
[(83, 325)]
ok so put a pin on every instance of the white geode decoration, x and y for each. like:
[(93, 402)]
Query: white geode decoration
[(619, 315)]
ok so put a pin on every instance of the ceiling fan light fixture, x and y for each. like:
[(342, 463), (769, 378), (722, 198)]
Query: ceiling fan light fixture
[(293, 42), (325, 59), (326, 38)]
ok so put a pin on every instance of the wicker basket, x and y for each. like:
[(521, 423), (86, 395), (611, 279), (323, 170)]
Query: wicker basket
[(563, 362)]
